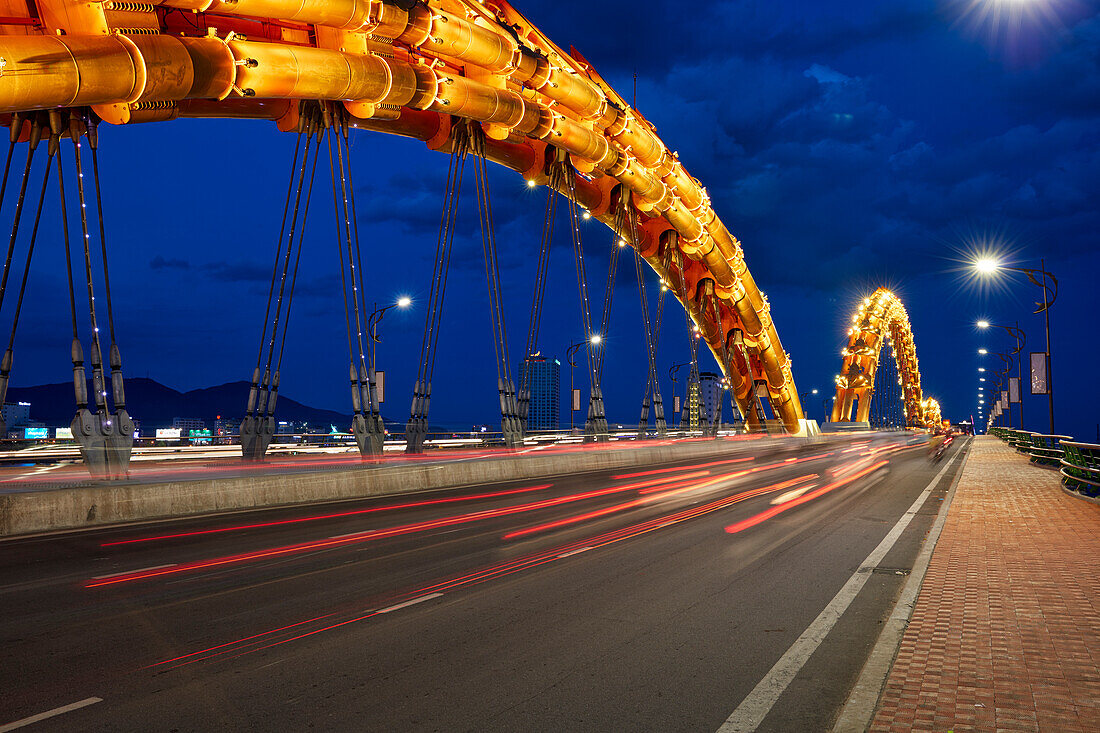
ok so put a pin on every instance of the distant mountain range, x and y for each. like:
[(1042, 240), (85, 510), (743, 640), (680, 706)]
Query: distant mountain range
[(156, 405)]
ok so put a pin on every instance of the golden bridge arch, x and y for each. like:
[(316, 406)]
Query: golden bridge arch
[(411, 69), (880, 318)]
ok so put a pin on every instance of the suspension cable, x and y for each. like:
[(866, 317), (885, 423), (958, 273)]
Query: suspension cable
[(344, 289), (68, 247), (282, 233), (97, 352), (297, 256), (541, 270), (30, 249), (358, 250), (609, 290), (567, 175), (492, 265), (93, 142), (19, 214), (460, 147), (652, 386), (356, 277), (285, 256), (15, 128)]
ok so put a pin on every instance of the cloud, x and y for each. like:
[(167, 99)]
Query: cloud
[(163, 263)]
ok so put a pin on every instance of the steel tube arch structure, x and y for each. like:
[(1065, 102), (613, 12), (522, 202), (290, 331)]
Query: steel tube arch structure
[(880, 318), (410, 68)]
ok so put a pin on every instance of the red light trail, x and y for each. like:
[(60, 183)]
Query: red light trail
[(809, 496), (336, 515), (370, 535), (241, 647)]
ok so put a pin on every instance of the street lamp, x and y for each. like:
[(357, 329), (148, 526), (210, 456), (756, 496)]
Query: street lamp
[(571, 357), (1038, 277), (983, 352), (375, 319), (1021, 338)]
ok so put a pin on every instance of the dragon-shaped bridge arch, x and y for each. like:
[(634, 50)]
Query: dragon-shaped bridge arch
[(880, 318), (414, 68)]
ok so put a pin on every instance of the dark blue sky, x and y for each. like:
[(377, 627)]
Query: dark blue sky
[(847, 144)]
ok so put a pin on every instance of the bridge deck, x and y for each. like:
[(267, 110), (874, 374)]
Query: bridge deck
[(1006, 630)]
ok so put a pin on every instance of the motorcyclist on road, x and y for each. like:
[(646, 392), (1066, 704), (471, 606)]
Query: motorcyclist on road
[(940, 433)]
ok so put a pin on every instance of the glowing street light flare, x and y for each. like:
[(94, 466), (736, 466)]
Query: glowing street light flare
[(983, 324), (596, 339), (983, 352), (986, 265), (404, 301)]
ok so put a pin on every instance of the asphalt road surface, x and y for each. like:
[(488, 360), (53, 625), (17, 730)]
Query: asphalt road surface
[(652, 599)]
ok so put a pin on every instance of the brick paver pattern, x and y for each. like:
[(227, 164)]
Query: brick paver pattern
[(1005, 634)]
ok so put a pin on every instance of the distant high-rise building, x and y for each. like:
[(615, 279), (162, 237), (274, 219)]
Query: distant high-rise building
[(17, 414), (188, 423), (544, 382), (710, 396)]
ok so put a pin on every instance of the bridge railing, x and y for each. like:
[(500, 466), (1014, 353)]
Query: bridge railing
[(1046, 450), (1081, 467)]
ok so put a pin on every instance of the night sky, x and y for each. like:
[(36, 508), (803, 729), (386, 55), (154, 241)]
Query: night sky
[(847, 144)]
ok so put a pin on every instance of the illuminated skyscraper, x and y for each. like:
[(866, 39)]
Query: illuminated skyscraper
[(545, 386)]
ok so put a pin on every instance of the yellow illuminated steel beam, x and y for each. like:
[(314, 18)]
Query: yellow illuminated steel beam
[(403, 71)]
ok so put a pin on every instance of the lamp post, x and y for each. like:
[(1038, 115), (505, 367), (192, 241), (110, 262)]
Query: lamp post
[(375, 319), (803, 395), (1003, 380), (571, 356), (1050, 294), (1021, 338)]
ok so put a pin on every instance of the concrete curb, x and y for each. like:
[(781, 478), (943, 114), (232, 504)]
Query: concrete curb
[(1082, 497), (862, 703), (119, 503)]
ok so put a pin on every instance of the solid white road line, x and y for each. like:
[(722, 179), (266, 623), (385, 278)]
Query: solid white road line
[(574, 552), (130, 572), (406, 604), (50, 713), (755, 707)]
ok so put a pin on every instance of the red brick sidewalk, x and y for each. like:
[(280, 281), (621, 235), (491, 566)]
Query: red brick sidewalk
[(1005, 634)]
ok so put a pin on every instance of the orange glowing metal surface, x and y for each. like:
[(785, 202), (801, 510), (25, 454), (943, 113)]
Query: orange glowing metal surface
[(415, 70)]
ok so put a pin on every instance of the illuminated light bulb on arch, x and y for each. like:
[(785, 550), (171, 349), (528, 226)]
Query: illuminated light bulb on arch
[(586, 215), (530, 184)]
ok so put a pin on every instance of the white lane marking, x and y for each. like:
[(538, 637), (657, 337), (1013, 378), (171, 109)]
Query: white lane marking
[(754, 708), (414, 601), (51, 713), (351, 534), (131, 572), (574, 552)]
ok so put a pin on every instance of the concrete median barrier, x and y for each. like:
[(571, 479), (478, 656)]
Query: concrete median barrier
[(125, 502)]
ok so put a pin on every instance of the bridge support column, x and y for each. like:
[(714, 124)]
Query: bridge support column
[(595, 427)]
